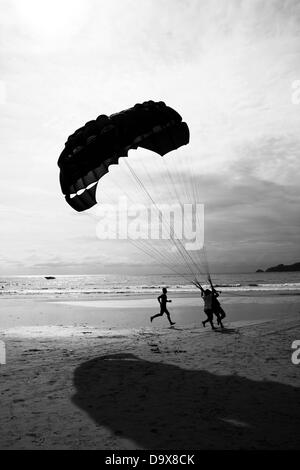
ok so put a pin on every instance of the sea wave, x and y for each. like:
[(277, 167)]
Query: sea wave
[(58, 291)]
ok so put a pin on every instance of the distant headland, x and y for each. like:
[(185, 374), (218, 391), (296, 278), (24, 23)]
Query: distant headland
[(281, 268)]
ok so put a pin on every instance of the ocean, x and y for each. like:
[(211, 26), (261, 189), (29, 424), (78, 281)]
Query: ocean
[(73, 286)]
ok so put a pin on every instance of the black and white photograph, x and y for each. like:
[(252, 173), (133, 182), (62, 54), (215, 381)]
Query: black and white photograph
[(150, 228)]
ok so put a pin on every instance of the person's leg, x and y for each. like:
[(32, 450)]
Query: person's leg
[(218, 317), (157, 315), (169, 317), (222, 313), (210, 319), (205, 321)]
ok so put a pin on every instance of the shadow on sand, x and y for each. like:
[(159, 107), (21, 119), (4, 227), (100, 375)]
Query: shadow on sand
[(161, 406), (226, 331)]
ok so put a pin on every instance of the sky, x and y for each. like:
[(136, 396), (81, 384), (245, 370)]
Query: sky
[(229, 68)]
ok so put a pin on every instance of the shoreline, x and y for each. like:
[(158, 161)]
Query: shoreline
[(132, 295), (135, 311)]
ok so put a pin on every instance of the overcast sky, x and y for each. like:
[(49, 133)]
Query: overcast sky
[(227, 66)]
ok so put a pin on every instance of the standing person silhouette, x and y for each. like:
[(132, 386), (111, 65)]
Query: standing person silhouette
[(207, 296), (163, 299), (211, 304), (216, 306)]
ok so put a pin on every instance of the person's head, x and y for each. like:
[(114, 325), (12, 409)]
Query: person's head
[(207, 291), (165, 290)]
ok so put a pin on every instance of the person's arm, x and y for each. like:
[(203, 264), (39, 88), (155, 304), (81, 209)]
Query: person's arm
[(214, 291), (198, 285), (158, 299)]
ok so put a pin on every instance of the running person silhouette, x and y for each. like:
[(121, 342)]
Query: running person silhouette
[(163, 299)]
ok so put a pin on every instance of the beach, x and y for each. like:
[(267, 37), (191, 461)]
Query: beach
[(96, 374)]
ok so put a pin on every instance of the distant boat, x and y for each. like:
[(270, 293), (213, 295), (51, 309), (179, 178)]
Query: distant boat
[(50, 277)]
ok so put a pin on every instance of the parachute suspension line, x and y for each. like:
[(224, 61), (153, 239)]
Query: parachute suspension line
[(184, 185), (153, 252), (206, 260), (175, 258), (196, 264), (142, 245), (183, 249), (145, 249), (177, 243), (169, 191), (159, 256), (188, 175), (142, 186), (196, 197)]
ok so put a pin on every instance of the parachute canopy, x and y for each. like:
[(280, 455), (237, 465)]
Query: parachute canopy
[(100, 143)]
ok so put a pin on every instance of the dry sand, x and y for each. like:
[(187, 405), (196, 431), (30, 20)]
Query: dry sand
[(71, 385)]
